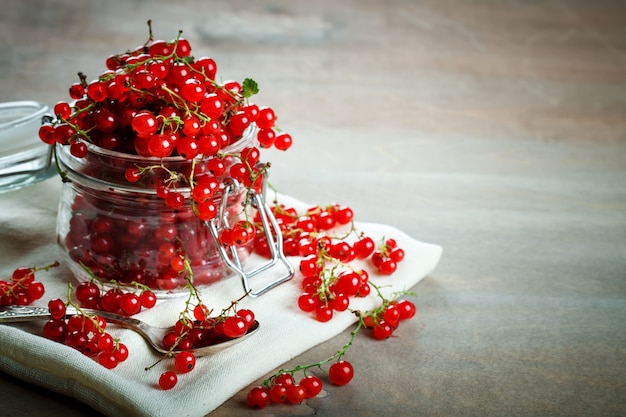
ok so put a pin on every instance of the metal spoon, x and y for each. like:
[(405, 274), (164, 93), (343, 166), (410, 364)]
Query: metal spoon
[(154, 335)]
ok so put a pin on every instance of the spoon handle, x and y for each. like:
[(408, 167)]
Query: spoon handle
[(14, 313)]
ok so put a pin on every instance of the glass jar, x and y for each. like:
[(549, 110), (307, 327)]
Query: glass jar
[(24, 159), (124, 232)]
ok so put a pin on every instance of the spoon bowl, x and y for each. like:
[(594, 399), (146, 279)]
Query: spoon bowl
[(154, 335)]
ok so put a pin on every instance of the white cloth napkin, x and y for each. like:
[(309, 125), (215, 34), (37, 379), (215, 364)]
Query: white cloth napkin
[(27, 238)]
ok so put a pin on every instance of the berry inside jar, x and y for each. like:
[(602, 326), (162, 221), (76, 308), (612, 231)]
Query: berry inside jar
[(151, 151)]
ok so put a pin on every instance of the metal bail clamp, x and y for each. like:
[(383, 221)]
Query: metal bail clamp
[(229, 254)]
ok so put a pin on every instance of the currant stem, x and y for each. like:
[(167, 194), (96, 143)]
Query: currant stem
[(150, 35), (62, 174)]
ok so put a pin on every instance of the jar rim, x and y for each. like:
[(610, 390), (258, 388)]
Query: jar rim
[(15, 117)]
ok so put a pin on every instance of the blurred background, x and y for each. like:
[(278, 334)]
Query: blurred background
[(496, 129)]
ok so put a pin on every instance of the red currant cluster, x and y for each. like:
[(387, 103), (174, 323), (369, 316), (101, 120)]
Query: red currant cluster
[(158, 101), (189, 335), (328, 284), (21, 288), (387, 256), (328, 280), (301, 232), (282, 386), (84, 333), (284, 389), (385, 320), (126, 300), (239, 234), (196, 328)]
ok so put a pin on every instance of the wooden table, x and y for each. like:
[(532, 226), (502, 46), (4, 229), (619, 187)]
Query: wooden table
[(495, 129)]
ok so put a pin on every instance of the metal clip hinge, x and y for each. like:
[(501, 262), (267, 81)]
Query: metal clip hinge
[(230, 256)]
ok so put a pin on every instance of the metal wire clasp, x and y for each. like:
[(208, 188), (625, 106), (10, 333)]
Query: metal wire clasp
[(229, 254)]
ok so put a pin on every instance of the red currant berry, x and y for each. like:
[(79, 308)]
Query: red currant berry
[(341, 372), (312, 385), (182, 47), (178, 73), (184, 362), (85, 290), (63, 132), (396, 255), (283, 141), (309, 266), (56, 330), (341, 302), (391, 243), (364, 247), (35, 291), (323, 313), (391, 315), (206, 66), (406, 308), (247, 315), (145, 124), (160, 48), (348, 283), (79, 149), (174, 199), (56, 307), (212, 106), (278, 393), (187, 147), (259, 397), (266, 138), (191, 126), (235, 327), (108, 359), (46, 133), (266, 118), (205, 188), (192, 90), (285, 379), (364, 290), (77, 91), (238, 123), (90, 348), (106, 121), (206, 210), (382, 330), (147, 298), (62, 110), (387, 267), (342, 251), (168, 380), (200, 312), (160, 145), (97, 91), (308, 302), (130, 303), (250, 155), (110, 301), (296, 394), (106, 342)]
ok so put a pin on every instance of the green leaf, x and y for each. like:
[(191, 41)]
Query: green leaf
[(249, 88)]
